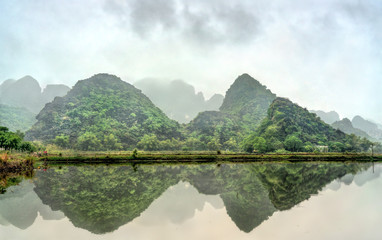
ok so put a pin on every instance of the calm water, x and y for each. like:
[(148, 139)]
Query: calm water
[(233, 201)]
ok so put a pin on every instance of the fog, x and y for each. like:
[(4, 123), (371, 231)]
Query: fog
[(324, 55)]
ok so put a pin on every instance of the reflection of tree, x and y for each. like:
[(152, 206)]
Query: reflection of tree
[(103, 198), (8, 179)]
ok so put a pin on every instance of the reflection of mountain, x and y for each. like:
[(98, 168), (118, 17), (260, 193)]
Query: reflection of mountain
[(101, 199), (245, 198), (20, 206), (178, 204)]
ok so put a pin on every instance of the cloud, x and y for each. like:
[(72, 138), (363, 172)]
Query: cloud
[(322, 54), (201, 21)]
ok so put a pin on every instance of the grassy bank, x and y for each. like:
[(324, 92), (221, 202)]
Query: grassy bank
[(15, 163), (198, 157)]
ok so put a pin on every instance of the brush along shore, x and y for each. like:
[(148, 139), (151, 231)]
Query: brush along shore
[(184, 157)]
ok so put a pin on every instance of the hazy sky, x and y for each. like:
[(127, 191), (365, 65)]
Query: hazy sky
[(322, 54)]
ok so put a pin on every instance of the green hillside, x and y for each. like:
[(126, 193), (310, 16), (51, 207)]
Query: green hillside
[(102, 112), (247, 100), (16, 118), (291, 127), (244, 107)]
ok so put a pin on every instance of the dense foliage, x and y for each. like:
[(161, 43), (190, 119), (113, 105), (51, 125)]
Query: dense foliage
[(244, 106), (14, 141), (213, 130), (248, 100), (293, 128), (102, 113)]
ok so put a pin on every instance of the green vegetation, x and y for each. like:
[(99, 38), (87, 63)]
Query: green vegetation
[(247, 100), (12, 178), (290, 127), (16, 118), (14, 141), (213, 130), (102, 113), (244, 106)]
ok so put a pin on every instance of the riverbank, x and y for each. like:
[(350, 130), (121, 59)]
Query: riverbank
[(15, 163), (201, 157)]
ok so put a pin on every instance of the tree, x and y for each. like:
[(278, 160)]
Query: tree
[(88, 142), (193, 143), (293, 143), (3, 129), (62, 141), (149, 143), (110, 142), (260, 145), (27, 147), (214, 144), (231, 144), (12, 141)]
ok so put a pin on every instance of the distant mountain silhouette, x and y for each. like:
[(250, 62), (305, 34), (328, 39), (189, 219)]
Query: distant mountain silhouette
[(27, 93), (328, 117), (178, 99), (346, 126), (369, 127)]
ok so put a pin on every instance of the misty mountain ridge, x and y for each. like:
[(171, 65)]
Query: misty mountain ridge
[(328, 117), (358, 126), (346, 126), (178, 99), (27, 93), (369, 127)]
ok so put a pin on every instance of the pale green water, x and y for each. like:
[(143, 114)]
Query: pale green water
[(234, 201)]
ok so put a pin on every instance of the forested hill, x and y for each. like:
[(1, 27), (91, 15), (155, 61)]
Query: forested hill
[(291, 127), (244, 107), (102, 112), (248, 100)]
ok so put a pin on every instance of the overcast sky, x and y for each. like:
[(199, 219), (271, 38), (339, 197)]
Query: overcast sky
[(322, 54)]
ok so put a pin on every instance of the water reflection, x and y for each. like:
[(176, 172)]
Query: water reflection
[(101, 199), (20, 207)]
